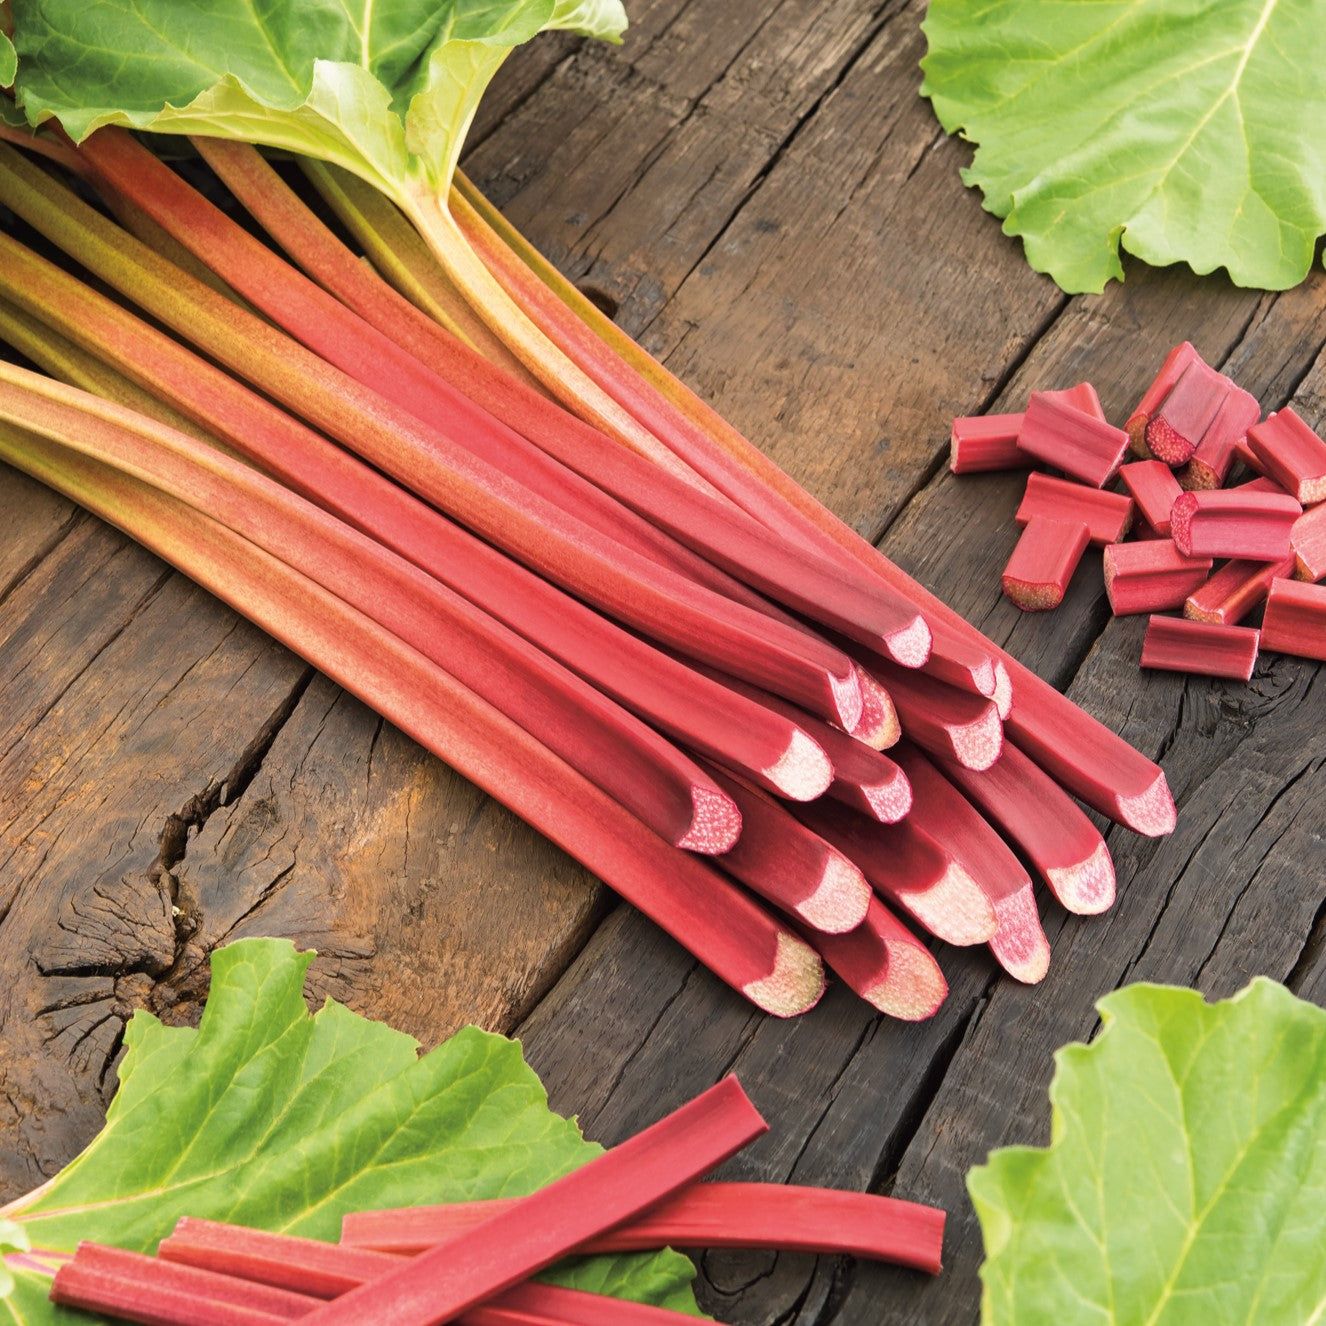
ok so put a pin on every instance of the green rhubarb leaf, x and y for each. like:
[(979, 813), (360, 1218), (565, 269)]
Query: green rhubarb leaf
[(385, 90), (8, 61), (1185, 133), (1185, 1183), (13, 1238), (271, 1117)]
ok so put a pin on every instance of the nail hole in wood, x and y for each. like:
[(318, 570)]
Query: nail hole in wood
[(601, 299)]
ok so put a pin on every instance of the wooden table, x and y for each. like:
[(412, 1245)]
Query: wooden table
[(763, 197)]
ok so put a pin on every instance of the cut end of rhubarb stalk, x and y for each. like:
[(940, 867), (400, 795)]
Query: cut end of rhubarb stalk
[(913, 986), (1003, 691), (977, 745), (889, 802), (1019, 943), (1088, 887), (910, 646), (803, 772), (795, 984), (840, 900), (715, 822), (848, 702), (879, 727), (1150, 813), (954, 909)]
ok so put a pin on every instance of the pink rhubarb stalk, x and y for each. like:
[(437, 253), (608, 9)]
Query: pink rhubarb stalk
[(1309, 540), (984, 442), (1291, 454), (1154, 489), (1175, 428), (1151, 576), (1227, 522), (1108, 516), (1043, 562), (1295, 619), (1218, 449), (952, 723), (1061, 435), (1176, 361), (1234, 591), (1175, 644)]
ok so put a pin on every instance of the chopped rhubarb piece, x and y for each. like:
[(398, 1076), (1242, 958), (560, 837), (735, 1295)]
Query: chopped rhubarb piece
[(1291, 454), (1154, 489), (1234, 591), (779, 858), (1081, 397), (1043, 562), (1107, 516), (878, 726), (1309, 540), (981, 442), (1295, 619), (705, 1215), (1175, 644), (1174, 430), (1150, 576), (1225, 522), (952, 723), (514, 1244), (1038, 817), (1216, 452), (1244, 452), (883, 962), (1176, 361), (1018, 942), (1072, 440), (912, 868)]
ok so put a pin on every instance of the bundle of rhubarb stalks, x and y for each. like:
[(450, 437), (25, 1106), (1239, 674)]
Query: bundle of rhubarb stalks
[(1192, 428), (457, 488), (472, 1262)]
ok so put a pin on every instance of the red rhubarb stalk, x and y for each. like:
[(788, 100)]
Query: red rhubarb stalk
[(516, 1243), (1151, 576), (1108, 516), (1234, 591), (883, 962), (1154, 489), (1175, 644), (912, 868), (1039, 818), (719, 925), (952, 723), (1060, 434), (1217, 451), (984, 442), (1295, 619), (1088, 759), (1081, 397), (705, 1215), (1291, 454), (878, 726), (1227, 522), (1018, 942), (495, 504), (1175, 428), (1043, 562), (1309, 540), (1176, 361)]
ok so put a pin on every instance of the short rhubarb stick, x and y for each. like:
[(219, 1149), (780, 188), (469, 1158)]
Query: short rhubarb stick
[(1295, 619), (1218, 449), (515, 1244), (952, 723), (1154, 489), (1018, 942), (1151, 576), (1108, 516), (986, 442), (1082, 397), (1072, 440), (1234, 591), (1043, 562), (1176, 361), (878, 726), (1291, 454), (1175, 644), (1226, 522), (1039, 818), (1174, 430), (1309, 540), (912, 868), (705, 1215), (779, 858), (883, 962)]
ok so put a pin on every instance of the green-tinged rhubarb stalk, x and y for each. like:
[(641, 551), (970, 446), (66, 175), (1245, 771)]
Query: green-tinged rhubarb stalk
[(720, 925)]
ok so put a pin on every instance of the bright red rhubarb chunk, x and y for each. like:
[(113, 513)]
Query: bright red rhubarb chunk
[(1309, 540), (1226, 522), (1176, 361), (1234, 591), (1295, 619), (1175, 644), (1174, 430), (1043, 562), (982, 442), (1081, 397), (1150, 576), (1291, 454), (1216, 452), (1154, 489), (1107, 516), (1072, 440)]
